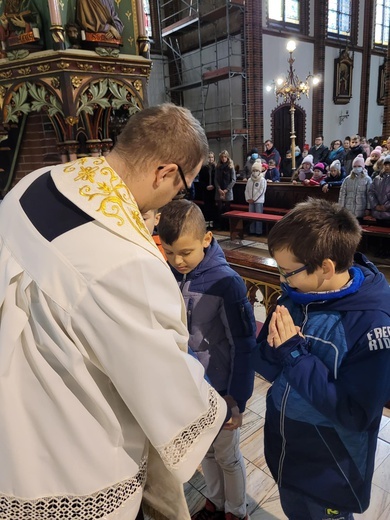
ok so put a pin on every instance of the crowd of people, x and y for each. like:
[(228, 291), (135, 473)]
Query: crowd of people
[(350, 164), (122, 369)]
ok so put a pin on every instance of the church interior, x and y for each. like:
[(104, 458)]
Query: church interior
[(72, 72)]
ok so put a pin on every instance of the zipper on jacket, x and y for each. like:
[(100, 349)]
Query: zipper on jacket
[(281, 429), (189, 315), (245, 320), (183, 282)]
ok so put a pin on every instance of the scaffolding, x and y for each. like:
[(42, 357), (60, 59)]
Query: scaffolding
[(204, 55)]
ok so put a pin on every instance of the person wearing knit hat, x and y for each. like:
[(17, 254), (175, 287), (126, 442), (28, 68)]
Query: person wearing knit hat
[(255, 189), (354, 190), (377, 151), (374, 157), (319, 174), (379, 196), (308, 159), (320, 166), (305, 171), (336, 165), (358, 162), (335, 177), (305, 150), (252, 157)]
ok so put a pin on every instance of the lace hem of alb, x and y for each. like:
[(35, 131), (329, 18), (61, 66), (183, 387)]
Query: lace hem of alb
[(174, 453), (67, 507)]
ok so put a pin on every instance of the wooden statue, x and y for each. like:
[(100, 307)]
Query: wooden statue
[(99, 22)]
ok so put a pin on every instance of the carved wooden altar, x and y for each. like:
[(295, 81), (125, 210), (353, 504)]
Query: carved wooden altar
[(78, 90), (84, 96)]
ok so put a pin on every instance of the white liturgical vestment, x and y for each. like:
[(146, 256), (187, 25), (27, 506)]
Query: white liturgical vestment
[(93, 352)]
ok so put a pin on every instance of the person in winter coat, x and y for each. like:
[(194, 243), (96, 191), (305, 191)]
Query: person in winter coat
[(286, 165), (378, 166), (354, 190), (270, 152), (336, 152), (319, 151), (335, 178), (252, 157), (327, 337), (319, 173), (305, 171), (222, 329), (354, 150), (379, 194), (371, 161), (272, 174), (255, 194), (225, 179), (206, 183)]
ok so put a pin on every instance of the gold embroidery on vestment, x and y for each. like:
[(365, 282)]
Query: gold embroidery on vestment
[(115, 199)]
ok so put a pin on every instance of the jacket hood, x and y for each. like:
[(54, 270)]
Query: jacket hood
[(369, 290)]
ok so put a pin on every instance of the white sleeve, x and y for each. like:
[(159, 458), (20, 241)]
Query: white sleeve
[(133, 320)]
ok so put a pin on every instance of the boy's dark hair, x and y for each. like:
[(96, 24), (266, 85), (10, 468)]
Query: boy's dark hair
[(315, 230), (179, 217)]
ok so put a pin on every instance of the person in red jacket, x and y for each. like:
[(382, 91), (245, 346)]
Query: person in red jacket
[(319, 174)]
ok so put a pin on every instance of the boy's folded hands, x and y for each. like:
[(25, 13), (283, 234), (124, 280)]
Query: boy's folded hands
[(281, 327)]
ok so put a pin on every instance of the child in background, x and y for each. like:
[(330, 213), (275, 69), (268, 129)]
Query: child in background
[(378, 166), (354, 190), (335, 178), (319, 174), (272, 175), (375, 155), (327, 337), (151, 219), (222, 328), (255, 194), (286, 165), (379, 194), (305, 171)]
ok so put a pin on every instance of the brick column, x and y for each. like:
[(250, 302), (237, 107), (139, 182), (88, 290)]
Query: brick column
[(386, 111), (317, 93), (366, 65), (254, 72)]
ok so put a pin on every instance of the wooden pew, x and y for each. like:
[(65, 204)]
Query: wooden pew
[(258, 273), (379, 231), (237, 219)]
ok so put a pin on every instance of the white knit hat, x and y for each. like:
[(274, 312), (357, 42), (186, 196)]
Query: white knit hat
[(308, 159), (336, 165)]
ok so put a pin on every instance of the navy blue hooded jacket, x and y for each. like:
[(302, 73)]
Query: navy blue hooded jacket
[(329, 388), (221, 324)]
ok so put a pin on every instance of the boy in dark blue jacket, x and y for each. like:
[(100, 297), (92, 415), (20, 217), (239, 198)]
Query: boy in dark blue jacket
[(326, 349), (222, 328)]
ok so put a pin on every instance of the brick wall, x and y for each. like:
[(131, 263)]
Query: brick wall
[(38, 147)]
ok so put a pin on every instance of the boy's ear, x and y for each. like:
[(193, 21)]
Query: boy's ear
[(328, 268), (207, 239)]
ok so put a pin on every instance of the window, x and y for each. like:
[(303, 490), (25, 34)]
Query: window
[(339, 18), (284, 13), (147, 19), (382, 21)]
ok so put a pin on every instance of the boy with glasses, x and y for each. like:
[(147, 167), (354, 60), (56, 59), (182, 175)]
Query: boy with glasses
[(326, 349)]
